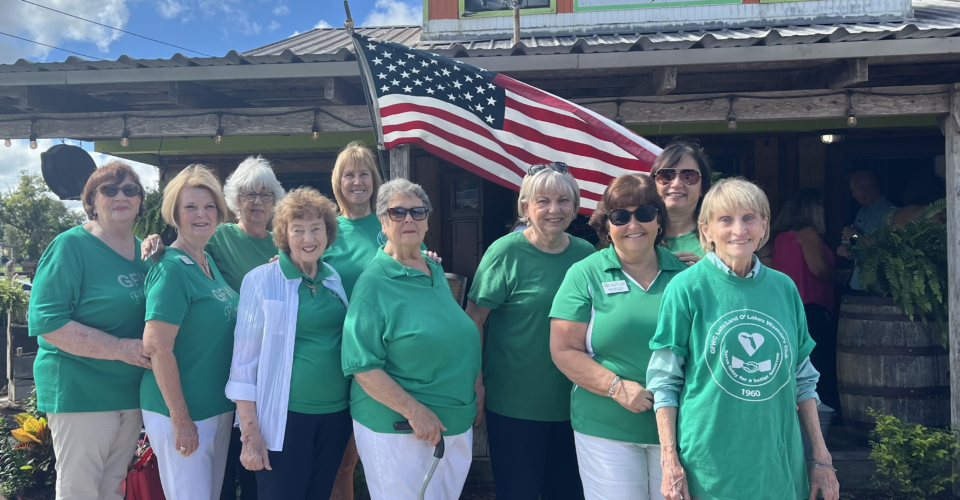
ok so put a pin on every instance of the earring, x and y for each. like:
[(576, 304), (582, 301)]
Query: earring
[(94, 216), (660, 230)]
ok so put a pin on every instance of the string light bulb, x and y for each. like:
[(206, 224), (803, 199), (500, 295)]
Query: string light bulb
[(619, 119), (851, 114), (219, 138), (316, 128), (731, 117), (125, 136), (7, 143), (33, 133)]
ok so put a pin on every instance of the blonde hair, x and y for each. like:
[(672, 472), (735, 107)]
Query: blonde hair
[(728, 195), (195, 176), (354, 154), (302, 203), (547, 180)]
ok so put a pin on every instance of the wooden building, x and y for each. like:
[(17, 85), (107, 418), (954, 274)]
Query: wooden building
[(762, 83)]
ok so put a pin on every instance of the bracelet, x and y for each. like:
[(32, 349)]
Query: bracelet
[(613, 385), (184, 407), (822, 465)]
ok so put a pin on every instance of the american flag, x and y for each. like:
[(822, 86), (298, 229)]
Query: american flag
[(491, 124)]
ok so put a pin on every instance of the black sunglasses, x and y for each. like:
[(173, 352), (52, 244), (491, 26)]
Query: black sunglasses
[(129, 190), (557, 166), (398, 214), (643, 213), (688, 176)]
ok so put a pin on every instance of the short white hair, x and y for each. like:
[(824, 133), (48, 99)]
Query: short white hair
[(547, 181), (254, 173)]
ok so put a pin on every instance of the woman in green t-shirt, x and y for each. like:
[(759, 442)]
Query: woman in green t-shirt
[(87, 309), (731, 367), (415, 356), (251, 192), (532, 450), (604, 316), (291, 394), (683, 172), (191, 312)]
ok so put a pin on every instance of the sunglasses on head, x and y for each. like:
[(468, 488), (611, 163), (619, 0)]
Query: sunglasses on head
[(688, 176), (129, 190), (398, 214), (643, 213), (557, 166)]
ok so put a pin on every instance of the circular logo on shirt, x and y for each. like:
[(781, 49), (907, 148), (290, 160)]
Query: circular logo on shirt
[(381, 239), (748, 354)]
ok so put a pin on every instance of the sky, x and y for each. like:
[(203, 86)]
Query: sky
[(211, 27)]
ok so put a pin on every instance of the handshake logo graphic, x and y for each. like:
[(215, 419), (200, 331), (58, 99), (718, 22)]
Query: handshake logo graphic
[(750, 342)]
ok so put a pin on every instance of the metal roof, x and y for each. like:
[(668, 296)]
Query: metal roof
[(934, 19)]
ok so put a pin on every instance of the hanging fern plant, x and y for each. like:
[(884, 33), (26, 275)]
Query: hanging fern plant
[(909, 263), (151, 222)]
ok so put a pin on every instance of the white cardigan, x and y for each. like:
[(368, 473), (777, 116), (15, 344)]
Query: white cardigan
[(263, 345)]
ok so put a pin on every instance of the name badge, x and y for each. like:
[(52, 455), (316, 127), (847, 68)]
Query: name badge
[(615, 287), (186, 260)]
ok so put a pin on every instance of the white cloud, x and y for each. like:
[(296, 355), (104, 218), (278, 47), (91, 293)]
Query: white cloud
[(322, 24), (45, 26), (274, 26), (295, 33), (170, 9), (19, 157), (281, 9), (394, 13)]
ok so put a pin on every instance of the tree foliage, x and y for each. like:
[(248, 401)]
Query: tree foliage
[(35, 215), (911, 458)]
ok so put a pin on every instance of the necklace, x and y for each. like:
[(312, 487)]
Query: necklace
[(311, 286), (205, 265)]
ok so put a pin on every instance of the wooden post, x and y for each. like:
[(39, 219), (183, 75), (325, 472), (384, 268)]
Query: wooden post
[(952, 139), (400, 162), (516, 22)]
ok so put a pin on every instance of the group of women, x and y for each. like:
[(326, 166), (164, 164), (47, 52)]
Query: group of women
[(579, 360)]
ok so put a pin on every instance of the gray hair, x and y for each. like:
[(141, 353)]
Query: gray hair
[(253, 173), (400, 187), (545, 181)]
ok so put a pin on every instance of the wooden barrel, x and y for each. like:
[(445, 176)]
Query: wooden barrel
[(889, 363)]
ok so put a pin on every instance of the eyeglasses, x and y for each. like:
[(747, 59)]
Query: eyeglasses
[(252, 197), (557, 166), (398, 214), (643, 213), (110, 190), (688, 176)]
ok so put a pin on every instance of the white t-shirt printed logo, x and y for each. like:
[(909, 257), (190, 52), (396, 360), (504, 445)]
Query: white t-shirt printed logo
[(745, 352), (223, 294), (135, 281), (381, 239)]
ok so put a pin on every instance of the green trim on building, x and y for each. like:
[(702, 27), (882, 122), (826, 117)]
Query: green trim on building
[(509, 12)]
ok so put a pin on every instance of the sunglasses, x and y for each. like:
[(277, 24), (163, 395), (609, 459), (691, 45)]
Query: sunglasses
[(687, 176), (643, 213), (398, 214), (557, 166), (129, 190)]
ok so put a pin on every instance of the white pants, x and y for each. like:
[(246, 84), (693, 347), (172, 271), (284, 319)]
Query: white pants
[(395, 464), (93, 450), (617, 470), (199, 476)]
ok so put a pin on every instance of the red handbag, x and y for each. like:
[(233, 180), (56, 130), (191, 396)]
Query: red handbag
[(143, 478)]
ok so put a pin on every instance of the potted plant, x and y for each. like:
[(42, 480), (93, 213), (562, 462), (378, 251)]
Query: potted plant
[(13, 299)]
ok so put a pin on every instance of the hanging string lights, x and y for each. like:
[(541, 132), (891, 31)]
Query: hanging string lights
[(731, 116), (219, 138), (851, 114), (125, 136)]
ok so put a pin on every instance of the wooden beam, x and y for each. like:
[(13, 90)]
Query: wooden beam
[(664, 80), (54, 100), (952, 130), (341, 93), (195, 96), (846, 72), (705, 108), (400, 162)]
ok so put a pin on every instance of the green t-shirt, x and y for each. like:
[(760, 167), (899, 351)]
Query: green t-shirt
[(741, 340), (80, 278), (179, 293), (408, 324), (686, 242), (317, 384), (621, 319), (517, 281), (237, 253), (357, 243)]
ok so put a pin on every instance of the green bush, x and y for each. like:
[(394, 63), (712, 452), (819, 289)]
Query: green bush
[(911, 458), (13, 298)]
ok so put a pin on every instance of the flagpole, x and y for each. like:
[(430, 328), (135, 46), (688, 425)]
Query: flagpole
[(367, 92)]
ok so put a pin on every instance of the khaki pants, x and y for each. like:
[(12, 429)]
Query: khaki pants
[(93, 451)]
